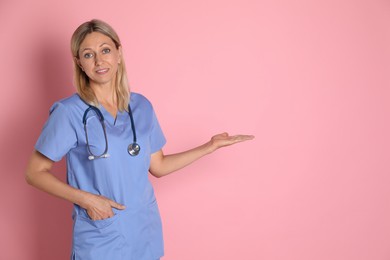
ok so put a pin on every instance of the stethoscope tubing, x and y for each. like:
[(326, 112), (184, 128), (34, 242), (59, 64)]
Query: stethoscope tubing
[(132, 125), (133, 149)]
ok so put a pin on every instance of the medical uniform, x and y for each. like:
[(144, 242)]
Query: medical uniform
[(134, 233)]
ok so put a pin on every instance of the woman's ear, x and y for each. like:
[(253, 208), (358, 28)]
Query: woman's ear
[(77, 61)]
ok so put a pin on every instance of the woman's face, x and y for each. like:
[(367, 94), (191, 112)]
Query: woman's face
[(99, 58)]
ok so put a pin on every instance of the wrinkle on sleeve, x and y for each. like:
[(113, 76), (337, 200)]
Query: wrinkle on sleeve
[(58, 135)]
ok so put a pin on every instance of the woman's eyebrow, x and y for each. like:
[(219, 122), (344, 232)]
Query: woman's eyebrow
[(88, 48), (85, 49), (104, 44)]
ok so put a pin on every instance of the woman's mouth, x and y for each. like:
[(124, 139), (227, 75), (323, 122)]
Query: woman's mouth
[(101, 71)]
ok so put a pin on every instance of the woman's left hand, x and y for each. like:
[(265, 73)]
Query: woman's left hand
[(224, 139)]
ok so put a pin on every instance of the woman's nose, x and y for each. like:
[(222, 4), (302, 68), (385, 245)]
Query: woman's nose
[(98, 59)]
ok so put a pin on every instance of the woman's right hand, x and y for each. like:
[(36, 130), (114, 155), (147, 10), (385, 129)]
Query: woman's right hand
[(38, 174), (99, 207)]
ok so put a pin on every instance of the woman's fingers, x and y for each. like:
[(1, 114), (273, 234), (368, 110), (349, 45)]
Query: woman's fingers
[(117, 205), (224, 139), (241, 138), (101, 208)]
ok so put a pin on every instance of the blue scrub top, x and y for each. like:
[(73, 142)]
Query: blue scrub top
[(133, 233)]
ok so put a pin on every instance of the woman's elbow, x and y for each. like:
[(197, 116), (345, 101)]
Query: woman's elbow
[(31, 174), (28, 176), (156, 174), (157, 166)]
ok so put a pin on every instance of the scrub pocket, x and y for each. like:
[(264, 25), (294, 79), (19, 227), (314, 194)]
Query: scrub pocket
[(97, 240)]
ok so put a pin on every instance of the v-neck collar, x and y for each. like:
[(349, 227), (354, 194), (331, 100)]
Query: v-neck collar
[(109, 118)]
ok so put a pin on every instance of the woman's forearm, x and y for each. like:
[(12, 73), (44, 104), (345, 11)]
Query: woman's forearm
[(164, 164), (38, 175)]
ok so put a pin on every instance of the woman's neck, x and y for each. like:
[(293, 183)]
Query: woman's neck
[(105, 95)]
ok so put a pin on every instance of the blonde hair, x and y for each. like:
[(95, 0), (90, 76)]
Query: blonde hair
[(81, 79)]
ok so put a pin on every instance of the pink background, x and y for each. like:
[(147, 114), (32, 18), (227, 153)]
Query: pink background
[(309, 78)]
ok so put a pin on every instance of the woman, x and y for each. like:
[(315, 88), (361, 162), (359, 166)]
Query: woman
[(111, 139)]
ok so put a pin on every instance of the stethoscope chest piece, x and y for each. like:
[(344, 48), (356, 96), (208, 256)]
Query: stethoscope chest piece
[(133, 149)]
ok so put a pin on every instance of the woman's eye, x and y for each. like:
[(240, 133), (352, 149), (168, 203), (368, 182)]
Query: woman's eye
[(106, 51), (88, 55)]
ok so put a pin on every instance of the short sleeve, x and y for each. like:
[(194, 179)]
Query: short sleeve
[(157, 138), (58, 135)]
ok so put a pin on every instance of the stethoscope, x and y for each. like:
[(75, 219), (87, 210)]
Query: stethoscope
[(133, 148)]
